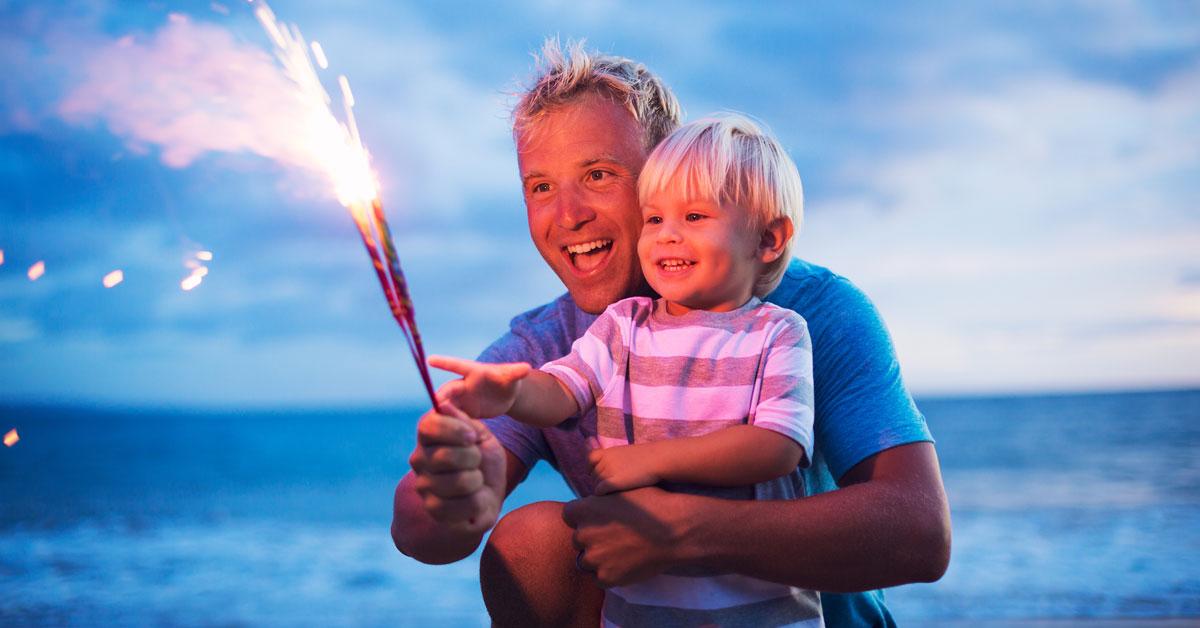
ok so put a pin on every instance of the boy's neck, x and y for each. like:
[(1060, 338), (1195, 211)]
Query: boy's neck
[(678, 309)]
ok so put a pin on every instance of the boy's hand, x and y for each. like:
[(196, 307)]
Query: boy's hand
[(623, 467), (485, 390)]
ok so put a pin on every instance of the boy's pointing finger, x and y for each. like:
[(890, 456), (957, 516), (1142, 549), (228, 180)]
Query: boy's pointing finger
[(454, 365)]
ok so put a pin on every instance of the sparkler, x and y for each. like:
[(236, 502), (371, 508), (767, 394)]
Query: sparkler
[(11, 438), (339, 149)]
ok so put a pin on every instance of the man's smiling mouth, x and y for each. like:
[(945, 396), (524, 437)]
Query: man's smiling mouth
[(588, 256)]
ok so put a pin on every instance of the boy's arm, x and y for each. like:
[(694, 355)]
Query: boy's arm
[(487, 390), (734, 456), (543, 401)]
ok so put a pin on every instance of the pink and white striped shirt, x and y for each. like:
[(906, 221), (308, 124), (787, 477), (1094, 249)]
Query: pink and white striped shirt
[(653, 376)]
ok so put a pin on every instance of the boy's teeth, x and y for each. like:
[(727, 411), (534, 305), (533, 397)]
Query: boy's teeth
[(587, 247), (674, 264)]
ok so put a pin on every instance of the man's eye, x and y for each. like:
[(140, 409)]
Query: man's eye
[(540, 187), (598, 175)]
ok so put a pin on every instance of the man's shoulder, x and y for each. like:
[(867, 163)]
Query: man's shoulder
[(557, 313), (540, 334), (807, 287)]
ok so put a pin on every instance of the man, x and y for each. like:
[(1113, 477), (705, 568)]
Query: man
[(582, 133)]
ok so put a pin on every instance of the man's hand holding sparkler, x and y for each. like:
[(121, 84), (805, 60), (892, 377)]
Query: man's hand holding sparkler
[(459, 476)]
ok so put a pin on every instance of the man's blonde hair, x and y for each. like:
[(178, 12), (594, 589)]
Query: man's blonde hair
[(564, 75), (730, 159)]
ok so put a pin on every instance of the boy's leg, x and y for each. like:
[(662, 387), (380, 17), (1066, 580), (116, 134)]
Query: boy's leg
[(528, 572)]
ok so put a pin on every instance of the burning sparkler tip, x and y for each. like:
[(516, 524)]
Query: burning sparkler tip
[(205, 256), (11, 438), (36, 271)]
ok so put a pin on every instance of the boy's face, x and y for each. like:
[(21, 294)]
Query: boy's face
[(698, 254), (579, 166)]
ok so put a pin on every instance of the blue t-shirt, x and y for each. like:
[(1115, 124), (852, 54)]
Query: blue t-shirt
[(862, 406)]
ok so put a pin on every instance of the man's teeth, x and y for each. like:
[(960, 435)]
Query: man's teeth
[(587, 247)]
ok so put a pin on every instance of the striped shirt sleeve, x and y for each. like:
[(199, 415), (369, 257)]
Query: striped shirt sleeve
[(593, 360), (786, 400)]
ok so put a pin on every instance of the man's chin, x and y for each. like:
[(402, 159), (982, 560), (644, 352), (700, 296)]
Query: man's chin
[(595, 299)]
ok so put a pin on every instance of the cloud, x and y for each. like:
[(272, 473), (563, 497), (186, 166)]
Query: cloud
[(1026, 226)]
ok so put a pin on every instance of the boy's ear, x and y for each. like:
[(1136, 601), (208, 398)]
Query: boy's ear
[(775, 237)]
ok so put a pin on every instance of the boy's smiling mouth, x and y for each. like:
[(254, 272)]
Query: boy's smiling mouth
[(588, 256), (675, 264)]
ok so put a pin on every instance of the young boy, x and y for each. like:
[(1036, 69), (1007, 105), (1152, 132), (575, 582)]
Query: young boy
[(706, 389)]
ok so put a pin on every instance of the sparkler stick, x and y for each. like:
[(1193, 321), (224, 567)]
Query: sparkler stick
[(342, 156)]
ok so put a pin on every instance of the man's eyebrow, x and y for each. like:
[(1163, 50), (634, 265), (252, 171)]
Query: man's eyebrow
[(591, 161), (603, 158)]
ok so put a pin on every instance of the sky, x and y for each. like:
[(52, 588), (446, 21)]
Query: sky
[(1015, 185)]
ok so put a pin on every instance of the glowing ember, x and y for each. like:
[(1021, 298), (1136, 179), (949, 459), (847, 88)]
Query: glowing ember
[(204, 256), (1, 257), (11, 438), (113, 278), (36, 271), (319, 54), (191, 281)]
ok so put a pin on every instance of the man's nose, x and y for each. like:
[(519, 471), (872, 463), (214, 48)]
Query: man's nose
[(573, 210)]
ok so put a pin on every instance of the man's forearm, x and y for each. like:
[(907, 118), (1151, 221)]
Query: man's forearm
[(418, 535), (891, 529)]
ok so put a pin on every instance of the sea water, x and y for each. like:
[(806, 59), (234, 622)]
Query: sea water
[(1063, 506)]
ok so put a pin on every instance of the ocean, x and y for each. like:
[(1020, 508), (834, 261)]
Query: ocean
[(1064, 506)]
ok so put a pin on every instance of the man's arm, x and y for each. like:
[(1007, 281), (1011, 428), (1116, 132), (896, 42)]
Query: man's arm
[(734, 456), (459, 479), (889, 524)]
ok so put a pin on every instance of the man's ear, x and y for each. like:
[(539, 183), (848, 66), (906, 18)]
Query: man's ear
[(775, 237)]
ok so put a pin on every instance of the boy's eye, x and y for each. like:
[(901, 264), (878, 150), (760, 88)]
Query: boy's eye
[(654, 220), (693, 217)]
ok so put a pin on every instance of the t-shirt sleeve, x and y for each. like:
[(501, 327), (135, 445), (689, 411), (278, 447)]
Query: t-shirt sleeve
[(863, 405), (524, 441), (592, 362), (786, 399)]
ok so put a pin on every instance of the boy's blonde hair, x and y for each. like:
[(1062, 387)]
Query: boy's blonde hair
[(563, 76), (730, 159)]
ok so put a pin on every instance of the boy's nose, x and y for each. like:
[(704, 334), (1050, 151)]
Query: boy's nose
[(667, 233)]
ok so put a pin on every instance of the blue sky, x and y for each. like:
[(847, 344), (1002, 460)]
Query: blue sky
[(1015, 184)]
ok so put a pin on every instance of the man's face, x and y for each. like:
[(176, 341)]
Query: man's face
[(579, 166)]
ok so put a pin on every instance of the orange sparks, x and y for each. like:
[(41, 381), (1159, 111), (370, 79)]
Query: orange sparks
[(36, 271), (113, 278), (204, 256), (1, 257), (11, 438)]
